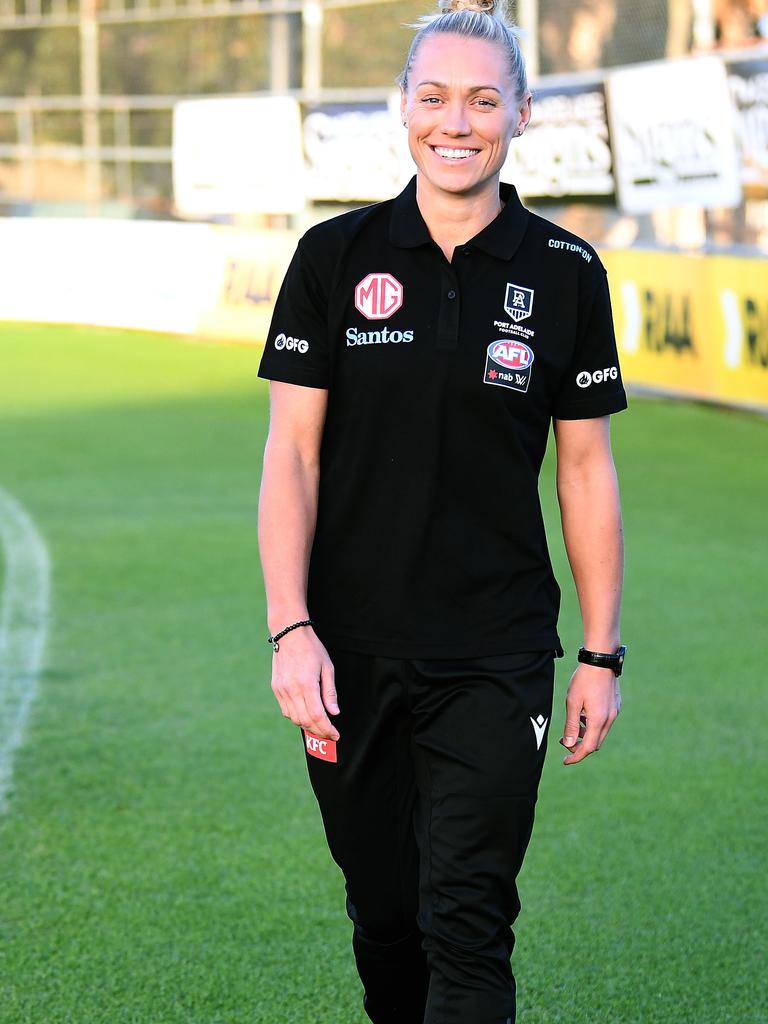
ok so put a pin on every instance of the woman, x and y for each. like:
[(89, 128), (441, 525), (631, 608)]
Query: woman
[(419, 351)]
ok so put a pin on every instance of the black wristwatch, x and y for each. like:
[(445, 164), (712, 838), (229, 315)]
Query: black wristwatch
[(612, 661)]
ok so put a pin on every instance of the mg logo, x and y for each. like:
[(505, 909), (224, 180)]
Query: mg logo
[(378, 296), (518, 301)]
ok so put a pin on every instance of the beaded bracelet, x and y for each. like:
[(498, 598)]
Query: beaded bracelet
[(273, 639)]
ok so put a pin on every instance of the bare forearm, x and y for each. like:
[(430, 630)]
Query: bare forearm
[(592, 530), (287, 517)]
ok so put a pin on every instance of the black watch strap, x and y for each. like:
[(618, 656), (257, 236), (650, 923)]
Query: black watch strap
[(601, 660)]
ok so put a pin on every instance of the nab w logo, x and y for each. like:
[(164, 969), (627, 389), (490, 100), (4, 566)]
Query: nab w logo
[(378, 296), (518, 302)]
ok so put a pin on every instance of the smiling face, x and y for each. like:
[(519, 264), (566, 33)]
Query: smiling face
[(462, 111)]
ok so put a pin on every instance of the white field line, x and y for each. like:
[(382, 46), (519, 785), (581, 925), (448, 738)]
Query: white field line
[(23, 626)]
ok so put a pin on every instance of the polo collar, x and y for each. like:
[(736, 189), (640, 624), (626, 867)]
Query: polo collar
[(500, 238)]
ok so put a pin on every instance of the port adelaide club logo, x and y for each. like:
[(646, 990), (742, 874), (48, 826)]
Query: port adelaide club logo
[(508, 364), (518, 305), (518, 302)]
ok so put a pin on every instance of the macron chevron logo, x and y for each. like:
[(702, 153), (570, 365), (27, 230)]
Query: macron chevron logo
[(539, 727)]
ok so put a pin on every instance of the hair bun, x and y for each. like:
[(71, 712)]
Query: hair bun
[(478, 6)]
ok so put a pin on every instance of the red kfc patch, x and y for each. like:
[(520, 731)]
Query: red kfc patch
[(319, 747)]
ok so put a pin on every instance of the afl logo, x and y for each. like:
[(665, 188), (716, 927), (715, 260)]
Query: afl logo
[(378, 296), (512, 355), (508, 364)]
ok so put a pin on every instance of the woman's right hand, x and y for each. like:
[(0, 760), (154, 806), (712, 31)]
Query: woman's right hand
[(303, 682)]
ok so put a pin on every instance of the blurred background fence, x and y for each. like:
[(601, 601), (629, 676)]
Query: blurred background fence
[(87, 89)]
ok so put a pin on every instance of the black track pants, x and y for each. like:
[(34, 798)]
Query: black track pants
[(428, 811)]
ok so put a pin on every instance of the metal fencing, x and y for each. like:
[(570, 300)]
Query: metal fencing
[(87, 87)]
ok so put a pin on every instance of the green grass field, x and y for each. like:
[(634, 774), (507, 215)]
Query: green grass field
[(162, 860)]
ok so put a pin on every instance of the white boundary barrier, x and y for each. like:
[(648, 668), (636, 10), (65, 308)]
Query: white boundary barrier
[(217, 282), (150, 275), (144, 274)]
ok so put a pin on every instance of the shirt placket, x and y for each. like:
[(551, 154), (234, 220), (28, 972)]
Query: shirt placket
[(450, 308)]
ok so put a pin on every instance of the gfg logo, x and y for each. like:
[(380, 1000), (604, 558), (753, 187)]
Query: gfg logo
[(291, 344), (378, 296), (584, 378)]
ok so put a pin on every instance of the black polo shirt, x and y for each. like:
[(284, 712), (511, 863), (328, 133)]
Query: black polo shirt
[(442, 381)]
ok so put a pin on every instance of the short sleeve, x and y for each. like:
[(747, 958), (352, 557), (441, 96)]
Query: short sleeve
[(592, 384), (296, 349)]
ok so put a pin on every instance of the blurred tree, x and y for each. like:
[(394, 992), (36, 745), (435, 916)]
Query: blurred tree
[(740, 22), (583, 35), (366, 46), (39, 62), (201, 55)]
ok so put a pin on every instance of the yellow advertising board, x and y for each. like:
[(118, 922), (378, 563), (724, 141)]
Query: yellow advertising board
[(251, 265), (694, 325)]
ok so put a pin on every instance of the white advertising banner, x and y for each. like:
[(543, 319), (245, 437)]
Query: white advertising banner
[(672, 129), (748, 82), (356, 152), (139, 274), (237, 155), (565, 149)]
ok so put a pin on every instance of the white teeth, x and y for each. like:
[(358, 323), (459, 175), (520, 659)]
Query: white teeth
[(455, 154)]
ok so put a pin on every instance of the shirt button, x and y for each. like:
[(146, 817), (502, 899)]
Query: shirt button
[(451, 294), (466, 252)]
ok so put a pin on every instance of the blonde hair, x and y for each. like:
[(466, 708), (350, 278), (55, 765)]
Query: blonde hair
[(473, 19)]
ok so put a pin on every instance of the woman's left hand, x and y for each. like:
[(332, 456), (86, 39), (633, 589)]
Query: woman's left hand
[(592, 704)]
